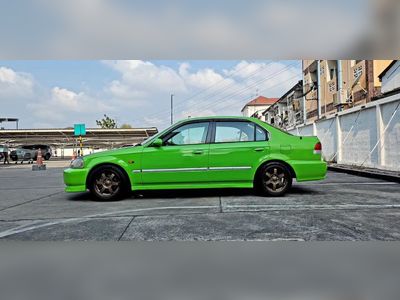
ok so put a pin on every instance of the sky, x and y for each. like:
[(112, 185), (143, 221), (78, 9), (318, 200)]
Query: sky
[(58, 94)]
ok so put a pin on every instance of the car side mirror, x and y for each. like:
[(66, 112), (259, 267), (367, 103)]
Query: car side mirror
[(157, 143)]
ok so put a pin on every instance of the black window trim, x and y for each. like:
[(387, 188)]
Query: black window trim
[(210, 138)]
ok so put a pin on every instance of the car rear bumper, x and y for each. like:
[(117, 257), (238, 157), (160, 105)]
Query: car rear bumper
[(75, 180), (309, 170)]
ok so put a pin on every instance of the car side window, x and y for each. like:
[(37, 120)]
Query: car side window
[(189, 134), (228, 132), (261, 134)]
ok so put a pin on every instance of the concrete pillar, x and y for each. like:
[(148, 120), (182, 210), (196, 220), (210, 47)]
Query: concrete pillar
[(338, 140), (314, 129), (304, 97), (380, 136), (340, 83), (319, 88)]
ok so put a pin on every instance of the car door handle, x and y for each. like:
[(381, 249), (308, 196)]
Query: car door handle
[(198, 151), (259, 149)]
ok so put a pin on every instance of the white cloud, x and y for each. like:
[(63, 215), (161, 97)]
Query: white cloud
[(64, 107), (141, 79), (203, 78), (15, 84)]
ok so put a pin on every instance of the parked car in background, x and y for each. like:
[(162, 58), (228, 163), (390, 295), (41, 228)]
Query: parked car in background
[(215, 152), (29, 152)]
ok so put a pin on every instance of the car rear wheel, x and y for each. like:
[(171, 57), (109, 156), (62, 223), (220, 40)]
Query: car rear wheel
[(274, 179), (108, 183), (47, 156)]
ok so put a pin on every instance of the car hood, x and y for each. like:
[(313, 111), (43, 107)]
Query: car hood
[(119, 151)]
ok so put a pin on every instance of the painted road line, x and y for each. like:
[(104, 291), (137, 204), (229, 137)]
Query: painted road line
[(276, 207)]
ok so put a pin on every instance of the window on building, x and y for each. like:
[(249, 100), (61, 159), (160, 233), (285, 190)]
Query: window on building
[(332, 69), (357, 72)]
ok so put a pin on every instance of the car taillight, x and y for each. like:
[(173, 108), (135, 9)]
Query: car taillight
[(318, 148)]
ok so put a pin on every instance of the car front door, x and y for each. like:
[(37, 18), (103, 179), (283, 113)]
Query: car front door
[(235, 150), (182, 158)]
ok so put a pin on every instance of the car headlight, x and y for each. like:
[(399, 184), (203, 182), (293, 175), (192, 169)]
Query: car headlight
[(77, 164)]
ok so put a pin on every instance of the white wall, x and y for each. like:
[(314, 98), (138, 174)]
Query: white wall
[(361, 136), (391, 138), (249, 110)]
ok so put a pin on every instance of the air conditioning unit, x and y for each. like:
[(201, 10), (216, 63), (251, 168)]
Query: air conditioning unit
[(340, 97)]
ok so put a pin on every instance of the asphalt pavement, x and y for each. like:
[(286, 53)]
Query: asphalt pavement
[(34, 206)]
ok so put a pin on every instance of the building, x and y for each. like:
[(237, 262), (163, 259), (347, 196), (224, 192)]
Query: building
[(255, 107), (390, 78), (288, 110), (335, 85)]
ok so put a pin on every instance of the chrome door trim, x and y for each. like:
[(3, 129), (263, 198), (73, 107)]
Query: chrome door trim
[(174, 170), (229, 168), (192, 169)]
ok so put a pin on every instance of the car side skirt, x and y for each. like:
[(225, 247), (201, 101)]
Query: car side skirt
[(203, 185)]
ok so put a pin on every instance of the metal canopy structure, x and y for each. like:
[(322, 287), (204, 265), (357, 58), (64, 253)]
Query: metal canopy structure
[(10, 120), (95, 137)]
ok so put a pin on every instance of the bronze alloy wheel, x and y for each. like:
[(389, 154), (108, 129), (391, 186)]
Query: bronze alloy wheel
[(275, 179), (107, 183)]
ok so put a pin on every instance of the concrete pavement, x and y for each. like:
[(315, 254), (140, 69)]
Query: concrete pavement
[(33, 206)]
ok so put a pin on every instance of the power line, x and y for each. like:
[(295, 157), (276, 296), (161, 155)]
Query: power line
[(242, 90), (258, 70), (243, 99)]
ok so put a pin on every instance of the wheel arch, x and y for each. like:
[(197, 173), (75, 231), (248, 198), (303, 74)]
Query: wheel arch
[(290, 168), (95, 167)]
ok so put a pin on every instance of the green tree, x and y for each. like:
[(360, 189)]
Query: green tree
[(126, 126), (106, 123)]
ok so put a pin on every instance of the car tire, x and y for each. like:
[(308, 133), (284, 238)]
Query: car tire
[(108, 183), (274, 179), (47, 156)]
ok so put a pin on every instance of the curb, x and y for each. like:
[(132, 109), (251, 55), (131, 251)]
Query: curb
[(378, 174)]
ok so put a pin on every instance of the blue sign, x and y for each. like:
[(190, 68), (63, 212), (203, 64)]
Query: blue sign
[(79, 129)]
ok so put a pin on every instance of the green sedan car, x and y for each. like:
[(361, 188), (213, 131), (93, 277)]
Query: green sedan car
[(213, 152)]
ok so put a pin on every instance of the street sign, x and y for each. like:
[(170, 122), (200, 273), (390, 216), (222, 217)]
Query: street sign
[(79, 129)]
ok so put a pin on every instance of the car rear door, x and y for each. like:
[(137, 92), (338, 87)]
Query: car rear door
[(182, 159), (235, 150)]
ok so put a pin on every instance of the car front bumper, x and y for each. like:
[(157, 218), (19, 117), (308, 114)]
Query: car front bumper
[(75, 180)]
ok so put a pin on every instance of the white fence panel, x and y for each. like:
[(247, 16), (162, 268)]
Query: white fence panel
[(364, 137), (361, 136), (391, 139), (326, 132), (305, 130)]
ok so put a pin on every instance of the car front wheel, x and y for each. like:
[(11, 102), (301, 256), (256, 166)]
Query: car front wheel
[(274, 179), (108, 183)]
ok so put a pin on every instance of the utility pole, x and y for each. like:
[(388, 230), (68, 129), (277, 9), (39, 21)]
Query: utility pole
[(172, 109)]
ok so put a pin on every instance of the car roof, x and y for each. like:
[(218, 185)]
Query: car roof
[(213, 118)]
